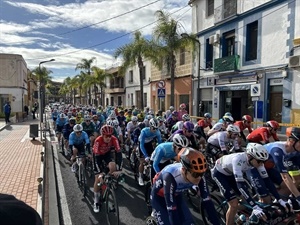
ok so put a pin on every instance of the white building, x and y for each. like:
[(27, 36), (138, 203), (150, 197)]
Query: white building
[(248, 43)]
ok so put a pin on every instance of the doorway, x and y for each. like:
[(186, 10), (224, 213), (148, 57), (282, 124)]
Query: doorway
[(275, 112)]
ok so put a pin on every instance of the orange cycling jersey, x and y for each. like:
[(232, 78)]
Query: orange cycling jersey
[(204, 124), (261, 134), (101, 148), (243, 126)]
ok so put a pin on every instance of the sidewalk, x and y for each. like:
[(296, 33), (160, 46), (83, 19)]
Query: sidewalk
[(20, 163)]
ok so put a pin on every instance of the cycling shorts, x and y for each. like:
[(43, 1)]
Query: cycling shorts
[(80, 148), (59, 129), (107, 158), (275, 176)]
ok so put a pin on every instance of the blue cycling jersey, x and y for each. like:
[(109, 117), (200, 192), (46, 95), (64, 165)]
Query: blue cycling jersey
[(147, 136), (55, 115), (60, 122), (162, 153), (77, 140)]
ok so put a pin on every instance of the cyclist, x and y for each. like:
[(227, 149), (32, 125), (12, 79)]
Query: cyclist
[(102, 150), (263, 134), (168, 185), (67, 130), (131, 125), (78, 140), (188, 131), (228, 174), (172, 120), (243, 124), (54, 116), (89, 128), (162, 126), (217, 144), (281, 157), (59, 127), (179, 124), (78, 118), (165, 152), (199, 129), (146, 138), (226, 114), (221, 125), (182, 111)]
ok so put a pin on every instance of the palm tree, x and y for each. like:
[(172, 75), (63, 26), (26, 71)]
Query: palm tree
[(79, 82), (99, 77), (86, 65), (134, 53), (168, 41)]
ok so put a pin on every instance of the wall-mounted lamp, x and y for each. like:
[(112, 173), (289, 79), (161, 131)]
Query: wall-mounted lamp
[(287, 102)]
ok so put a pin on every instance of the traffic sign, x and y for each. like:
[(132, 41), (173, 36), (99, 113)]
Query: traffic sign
[(161, 92), (161, 84), (255, 90)]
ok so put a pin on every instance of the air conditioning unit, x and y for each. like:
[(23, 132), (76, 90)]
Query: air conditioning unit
[(214, 39), (294, 61)]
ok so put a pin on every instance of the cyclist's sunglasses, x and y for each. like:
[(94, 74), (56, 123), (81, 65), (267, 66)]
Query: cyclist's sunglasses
[(88, 121), (153, 128), (260, 161), (78, 132), (107, 136), (196, 175)]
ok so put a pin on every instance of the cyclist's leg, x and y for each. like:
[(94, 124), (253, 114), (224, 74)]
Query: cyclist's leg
[(159, 205), (149, 148), (277, 179), (184, 212)]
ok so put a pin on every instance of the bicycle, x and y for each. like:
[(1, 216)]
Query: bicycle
[(108, 197), (80, 173)]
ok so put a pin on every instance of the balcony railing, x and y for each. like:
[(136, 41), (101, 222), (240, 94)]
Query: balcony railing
[(227, 64), (225, 11), (114, 90)]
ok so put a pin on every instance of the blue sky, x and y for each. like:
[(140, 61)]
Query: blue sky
[(69, 30)]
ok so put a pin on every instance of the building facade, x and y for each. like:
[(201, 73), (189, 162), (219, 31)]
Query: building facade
[(246, 47)]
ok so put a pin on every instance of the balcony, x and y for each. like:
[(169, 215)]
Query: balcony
[(116, 90), (225, 11), (227, 64)]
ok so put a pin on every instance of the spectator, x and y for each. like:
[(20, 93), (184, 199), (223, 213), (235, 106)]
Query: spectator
[(16, 212), (7, 111), (26, 109), (33, 112)]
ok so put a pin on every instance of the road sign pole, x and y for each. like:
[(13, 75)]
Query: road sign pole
[(255, 114)]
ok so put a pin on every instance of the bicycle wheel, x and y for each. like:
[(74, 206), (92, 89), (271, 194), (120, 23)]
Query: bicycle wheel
[(151, 220), (111, 208), (82, 179), (147, 194), (89, 168), (194, 200), (221, 209), (136, 169)]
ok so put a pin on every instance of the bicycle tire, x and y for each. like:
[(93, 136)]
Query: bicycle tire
[(147, 194), (136, 169), (111, 208), (221, 209), (151, 220), (89, 168), (82, 179)]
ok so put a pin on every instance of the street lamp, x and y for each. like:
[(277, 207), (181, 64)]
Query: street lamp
[(198, 99), (41, 88)]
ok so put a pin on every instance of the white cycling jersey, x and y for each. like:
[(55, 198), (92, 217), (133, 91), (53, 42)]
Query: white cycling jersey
[(130, 126), (236, 164), (220, 140)]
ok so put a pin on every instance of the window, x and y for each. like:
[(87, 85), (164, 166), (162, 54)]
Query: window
[(144, 72), (130, 77), (228, 48), (230, 8), (251, 41), (182, 56), (120, 100), (209, 55), (210, 7)]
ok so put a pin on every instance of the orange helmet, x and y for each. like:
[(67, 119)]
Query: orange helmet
[(192, 160), (107, 130), (293, 132)]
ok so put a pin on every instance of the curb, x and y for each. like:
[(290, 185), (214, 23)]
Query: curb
[(3, 127)]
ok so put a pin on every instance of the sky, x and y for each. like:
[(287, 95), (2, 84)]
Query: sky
[(70, 30)]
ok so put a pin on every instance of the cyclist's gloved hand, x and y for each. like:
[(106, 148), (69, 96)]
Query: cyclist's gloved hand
[(147, 159), (257, 211), (288, 207)]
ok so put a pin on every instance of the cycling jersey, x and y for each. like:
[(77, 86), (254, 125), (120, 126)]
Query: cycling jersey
[(221, 141), (171, 122), (261, 134), (55, 115), (89, 128), (67, 130), (177, 126), (203, 123), (61, 122), (219, 126), (131, 126), (78, 120), (191, 138), (162, 153), (181, 112), (101, 147), (79, 141), (148, 136)]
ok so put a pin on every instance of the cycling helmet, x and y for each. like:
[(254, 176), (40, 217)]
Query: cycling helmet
[(153, 123), (247, 118), (180, 141), (62, 116), (134, 118), (227, 114), (160, 119), (193, 160), (79, 114), (107, 130), (257, 151), (72, 120), (233, 128), (135, 112), (112, 114), (110, 122), (207, 115), (272, 123), (293, 132), (186, 117), (77, 128), (149, 117), (171, 108), (141, 125), (182, 105), (86, 118), (188, 125), (228, 119), (116, 123), (174, 113)]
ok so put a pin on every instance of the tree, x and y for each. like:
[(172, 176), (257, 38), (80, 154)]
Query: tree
[(133, 54), (99, 77), (86, 65), (168, 41)]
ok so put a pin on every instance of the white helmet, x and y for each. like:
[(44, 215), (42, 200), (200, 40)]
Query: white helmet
[(78, 127), (233, 128), (112, 114), (186, 117), (153, 123), (180, 140), (62, 116), (257, 151), (134, 118), (116, 123), (110, 123)]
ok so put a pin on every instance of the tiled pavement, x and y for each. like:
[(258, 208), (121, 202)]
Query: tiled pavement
[(20, 163)]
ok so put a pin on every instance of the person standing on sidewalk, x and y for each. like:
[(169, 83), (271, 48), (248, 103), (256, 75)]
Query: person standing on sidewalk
[(7, 111)]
